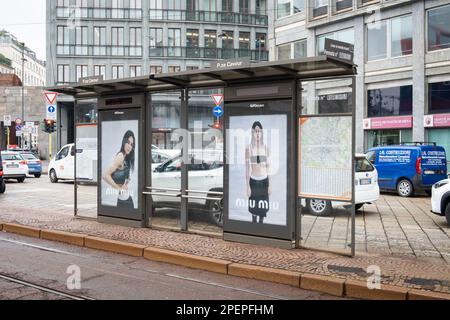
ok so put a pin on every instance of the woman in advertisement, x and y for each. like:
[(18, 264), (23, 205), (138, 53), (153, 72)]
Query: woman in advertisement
[(257, 168), (118, 175)]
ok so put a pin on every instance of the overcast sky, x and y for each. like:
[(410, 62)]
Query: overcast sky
[(26, 20)]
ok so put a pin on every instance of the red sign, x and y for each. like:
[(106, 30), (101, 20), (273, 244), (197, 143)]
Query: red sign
[(437, 120), (18, 121), (51, 97), (401, 122), (218, 99)]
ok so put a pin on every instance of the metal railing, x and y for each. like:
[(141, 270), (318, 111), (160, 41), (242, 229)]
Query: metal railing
[(208, 53), (98, 13), (93, 50), (208, 16)]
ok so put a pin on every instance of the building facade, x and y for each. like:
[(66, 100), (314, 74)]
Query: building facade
[(127, 38), (6, 69), (34, 74), (402, 50)]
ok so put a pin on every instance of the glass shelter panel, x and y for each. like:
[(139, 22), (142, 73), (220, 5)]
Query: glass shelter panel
[(326, 181), (166, 160), (85, 158)]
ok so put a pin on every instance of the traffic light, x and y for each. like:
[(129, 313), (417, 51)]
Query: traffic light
[(49, 126)]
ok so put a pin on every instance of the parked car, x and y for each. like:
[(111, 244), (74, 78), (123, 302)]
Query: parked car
[(205, 174), (61, 167), (366, 189), (33, 162), (409, 168), (14, 166), (2, 181), (440, 199)]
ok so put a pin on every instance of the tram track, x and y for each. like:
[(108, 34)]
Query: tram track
[(42, 288)]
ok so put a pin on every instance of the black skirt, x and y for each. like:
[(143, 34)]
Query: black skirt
[(259, 199), (126, 204)]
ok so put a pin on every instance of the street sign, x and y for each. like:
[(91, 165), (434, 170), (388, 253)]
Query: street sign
[(18, 121), (50, 97), (18, 128), (338, 49), (218, 99), (7, 121), (51, 113), (29, 124), (218, 112)]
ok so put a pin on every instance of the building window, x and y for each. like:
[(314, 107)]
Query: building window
[(99, 41), (227, 5), (211, 44), (63, 38), (289, 7), (346, 35), (319, 8), (343, 4), (396, 101), (390, 38), (81, 41), (439, 97), (244, 44), (261, 7), (135, 71), (300, 49), (63, 74), (156, 42), (156, 11), (136, 9), (117, 10), (228, 45), (284, 51), (82, 72), (439, 28), (156, 69), (117, 72), (100, 70), (99, 9), (135, 42), (174, 69), (174, 42), (117, 42)]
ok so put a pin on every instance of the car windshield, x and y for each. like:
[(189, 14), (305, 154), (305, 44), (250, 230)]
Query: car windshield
[(363, 165), (11, 157), (29, 156)]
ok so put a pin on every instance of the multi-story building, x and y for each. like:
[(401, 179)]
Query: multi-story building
[(127, 38), (402, 50), (34, 69)]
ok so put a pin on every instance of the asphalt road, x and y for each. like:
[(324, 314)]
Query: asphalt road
[(39, 266)]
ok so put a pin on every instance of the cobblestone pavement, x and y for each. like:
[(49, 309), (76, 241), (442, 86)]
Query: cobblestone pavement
[(401, 236)]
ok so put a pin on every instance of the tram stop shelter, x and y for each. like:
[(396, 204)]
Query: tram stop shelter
[(158, 148)]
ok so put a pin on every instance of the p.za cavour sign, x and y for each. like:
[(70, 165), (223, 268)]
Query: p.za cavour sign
[(233, 63), (90, 80), (338, 49)]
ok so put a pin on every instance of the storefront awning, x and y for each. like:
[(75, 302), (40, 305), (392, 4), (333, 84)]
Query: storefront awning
[(306, 68)]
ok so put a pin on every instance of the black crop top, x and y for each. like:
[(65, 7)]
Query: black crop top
[(121, 175)]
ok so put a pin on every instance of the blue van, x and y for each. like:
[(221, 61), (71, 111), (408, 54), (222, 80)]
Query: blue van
[(409, 168)]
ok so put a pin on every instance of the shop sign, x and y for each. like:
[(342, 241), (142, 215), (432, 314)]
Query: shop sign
[(400, 122), (437, 120)]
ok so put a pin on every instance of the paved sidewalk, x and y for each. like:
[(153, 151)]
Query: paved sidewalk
[(406, 272)]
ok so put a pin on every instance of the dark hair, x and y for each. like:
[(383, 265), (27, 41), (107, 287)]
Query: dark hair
[(129, 159), (257, 124)]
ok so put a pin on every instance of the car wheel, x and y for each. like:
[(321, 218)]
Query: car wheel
[(405, 188), (53, 177), (216, 212), (2, 187), (21, 180), (359, 206), (37, 175), (319, 207), (447, 214)]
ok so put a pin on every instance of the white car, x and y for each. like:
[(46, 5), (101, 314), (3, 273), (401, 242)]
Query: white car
[(14, 166), (440, 199), (205, 177), (366, 189), (62, 167)]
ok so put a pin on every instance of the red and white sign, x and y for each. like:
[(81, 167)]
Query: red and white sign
[(18, 121), (400, 122), (50, 97), (218, 99), (436, 120)]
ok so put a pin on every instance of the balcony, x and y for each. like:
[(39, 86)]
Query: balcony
[(99, 50), (343, 4), (207, 53), (98, 13), (208, 16)]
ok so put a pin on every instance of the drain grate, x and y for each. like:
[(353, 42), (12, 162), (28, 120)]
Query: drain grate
[(358, 271)]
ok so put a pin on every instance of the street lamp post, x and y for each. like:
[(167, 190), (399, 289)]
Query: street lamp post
[(23, 93)]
